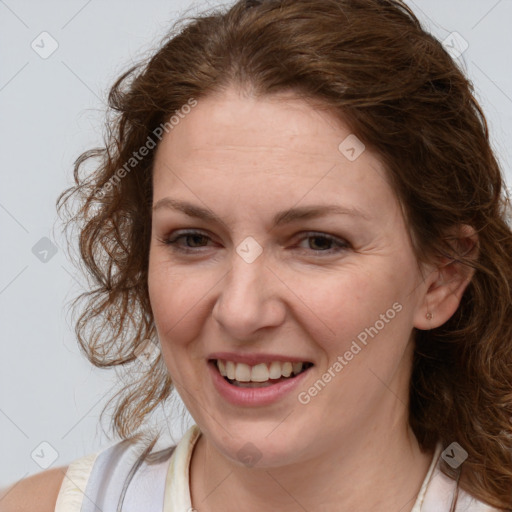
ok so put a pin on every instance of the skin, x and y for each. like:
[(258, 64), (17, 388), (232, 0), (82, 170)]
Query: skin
[(37, 492), (350, 447)]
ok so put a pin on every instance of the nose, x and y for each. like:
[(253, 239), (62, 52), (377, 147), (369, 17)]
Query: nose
[(249, 299)]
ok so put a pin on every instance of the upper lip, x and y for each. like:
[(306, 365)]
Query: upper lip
[(254, 359)]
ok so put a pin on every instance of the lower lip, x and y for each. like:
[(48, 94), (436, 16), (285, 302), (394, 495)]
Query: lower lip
[(253, 396)]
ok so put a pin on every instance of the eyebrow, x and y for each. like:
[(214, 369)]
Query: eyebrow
[(283, 217)]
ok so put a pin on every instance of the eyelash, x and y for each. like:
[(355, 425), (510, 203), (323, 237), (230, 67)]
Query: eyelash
[(172, 242)]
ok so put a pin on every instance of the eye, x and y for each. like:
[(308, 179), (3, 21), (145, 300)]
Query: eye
[(194, 240), (322, 243), (194, 237)]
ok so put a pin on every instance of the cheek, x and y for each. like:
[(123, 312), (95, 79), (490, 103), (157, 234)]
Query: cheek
[(178, 297), (367, 317), (348, 302), (173, 312)]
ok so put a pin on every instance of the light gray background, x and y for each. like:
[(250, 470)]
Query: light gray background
[(50, 111)]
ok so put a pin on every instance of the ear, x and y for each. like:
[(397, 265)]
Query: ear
[(447, 282)]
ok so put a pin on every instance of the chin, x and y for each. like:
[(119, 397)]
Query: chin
[(261, 446)]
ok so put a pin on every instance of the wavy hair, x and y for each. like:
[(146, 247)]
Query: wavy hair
[(371, 64)]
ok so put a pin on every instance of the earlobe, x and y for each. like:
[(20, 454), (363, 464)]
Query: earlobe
[(446, 284)]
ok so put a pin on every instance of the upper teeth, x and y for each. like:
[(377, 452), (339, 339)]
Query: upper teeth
[(258, 373)]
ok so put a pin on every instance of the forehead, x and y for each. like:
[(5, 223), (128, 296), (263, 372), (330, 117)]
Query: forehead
[(239, 146), (232, 119)]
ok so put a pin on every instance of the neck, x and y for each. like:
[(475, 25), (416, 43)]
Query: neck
[(369, 472)]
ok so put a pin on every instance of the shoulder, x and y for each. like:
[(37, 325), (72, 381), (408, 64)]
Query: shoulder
[(38, 492), (126, 470)]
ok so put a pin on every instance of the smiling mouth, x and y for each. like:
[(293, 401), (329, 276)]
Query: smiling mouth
[(260, 375)]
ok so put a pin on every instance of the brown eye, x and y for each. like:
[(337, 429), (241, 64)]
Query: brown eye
[(323, 243), (193, 240)]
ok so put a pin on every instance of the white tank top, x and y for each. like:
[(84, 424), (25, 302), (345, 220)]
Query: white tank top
[(119, 480)]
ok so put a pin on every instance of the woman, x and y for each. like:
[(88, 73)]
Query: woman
[(299, 203)]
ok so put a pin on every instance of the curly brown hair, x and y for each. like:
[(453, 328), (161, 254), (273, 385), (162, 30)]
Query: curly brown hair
[(370, 63)]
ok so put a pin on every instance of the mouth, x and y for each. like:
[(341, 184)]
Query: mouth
[(261, 375)]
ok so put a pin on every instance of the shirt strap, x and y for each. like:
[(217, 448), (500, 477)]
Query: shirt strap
[(73, 486)]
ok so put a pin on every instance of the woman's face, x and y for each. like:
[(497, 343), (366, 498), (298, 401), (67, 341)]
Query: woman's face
[(303, 256)]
